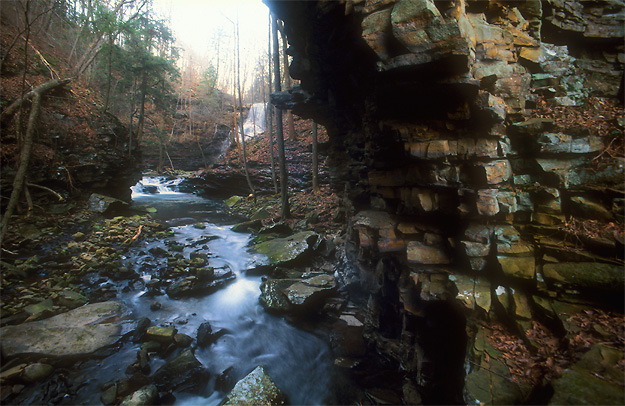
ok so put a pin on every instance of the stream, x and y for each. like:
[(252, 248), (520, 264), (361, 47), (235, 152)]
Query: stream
[(300, 363)]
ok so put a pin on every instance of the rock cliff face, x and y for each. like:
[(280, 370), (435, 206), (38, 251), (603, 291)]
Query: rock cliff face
[(462, 189)]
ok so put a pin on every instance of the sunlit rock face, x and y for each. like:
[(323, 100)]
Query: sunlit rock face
[(455, 190)]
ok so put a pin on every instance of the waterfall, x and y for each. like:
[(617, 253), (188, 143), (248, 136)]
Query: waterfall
[(254, 123)]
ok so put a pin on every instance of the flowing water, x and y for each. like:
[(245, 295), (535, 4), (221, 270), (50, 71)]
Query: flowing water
[(300, 363)]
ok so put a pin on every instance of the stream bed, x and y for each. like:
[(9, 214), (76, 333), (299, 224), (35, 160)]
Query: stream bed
[(300, 363)]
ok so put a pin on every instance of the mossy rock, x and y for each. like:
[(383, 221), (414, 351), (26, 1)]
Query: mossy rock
[(283, 251)]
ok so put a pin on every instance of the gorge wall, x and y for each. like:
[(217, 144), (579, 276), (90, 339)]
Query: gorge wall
[(480, 182)]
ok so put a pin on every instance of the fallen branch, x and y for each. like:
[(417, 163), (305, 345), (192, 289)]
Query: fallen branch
[(133, 239), (46, 189), (41, 89), (52, 71)]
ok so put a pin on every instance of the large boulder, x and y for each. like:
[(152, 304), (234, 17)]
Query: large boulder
[(288, 250), (80, 331), (256, 389)]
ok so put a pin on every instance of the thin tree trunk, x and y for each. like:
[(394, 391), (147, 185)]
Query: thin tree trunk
[(285, 210), (287, 80), (20, 176), (315, 163), (247, 174), (108, 80), (270, 110), (142, 108)]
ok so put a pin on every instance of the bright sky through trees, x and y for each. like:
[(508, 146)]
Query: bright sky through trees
[(199, 25)]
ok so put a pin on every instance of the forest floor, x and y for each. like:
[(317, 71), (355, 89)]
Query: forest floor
[(318, 209)]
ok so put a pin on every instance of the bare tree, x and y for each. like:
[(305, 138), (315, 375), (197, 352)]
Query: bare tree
[(285, 210), (269, 115)]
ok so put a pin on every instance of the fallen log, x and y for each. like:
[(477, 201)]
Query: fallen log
[(41, 89)]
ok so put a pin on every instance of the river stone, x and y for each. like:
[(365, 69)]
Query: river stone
[(71, 299), (309, 293), (147, 395), (100, 204), (284, 251), (183, 373), (80, 331), (256, 389), (593, 275), (272, 296), (163, 335), (40, 310), (36, 372), (194, 286), (232, 200)]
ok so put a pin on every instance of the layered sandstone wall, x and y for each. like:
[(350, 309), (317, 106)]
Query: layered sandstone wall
[(465, 196)]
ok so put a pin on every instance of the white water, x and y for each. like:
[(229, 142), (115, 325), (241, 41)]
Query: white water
[(254, 123), (298, 362)]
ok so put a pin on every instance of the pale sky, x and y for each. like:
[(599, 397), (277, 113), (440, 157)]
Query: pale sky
[(196, 23)]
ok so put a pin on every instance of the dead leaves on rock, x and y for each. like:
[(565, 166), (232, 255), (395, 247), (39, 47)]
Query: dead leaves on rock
[(549, 355)]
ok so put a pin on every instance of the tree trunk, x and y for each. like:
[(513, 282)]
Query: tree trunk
[(20, 176), (290, 126), (144, 90), (315, 163), (41, 89), (269, 115), (285, 210), (247, 174)]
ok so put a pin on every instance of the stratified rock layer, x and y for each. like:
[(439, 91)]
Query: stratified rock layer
[(457, 193)]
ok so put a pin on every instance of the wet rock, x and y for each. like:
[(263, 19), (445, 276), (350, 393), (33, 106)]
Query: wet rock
[(225, 381), (281, 228), (36, 372), (204, 333), (71, 299), (80, 331), (308, 295), (194, 286), (148, 395), (151, 346), (158, 252), (183, 373), (272, 296), (101, 204), (285, 251), (247, 226), (256, 388), (109, 395), (142, 326), (154, 306), (164, 335), (39, 311), (182, 340)]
